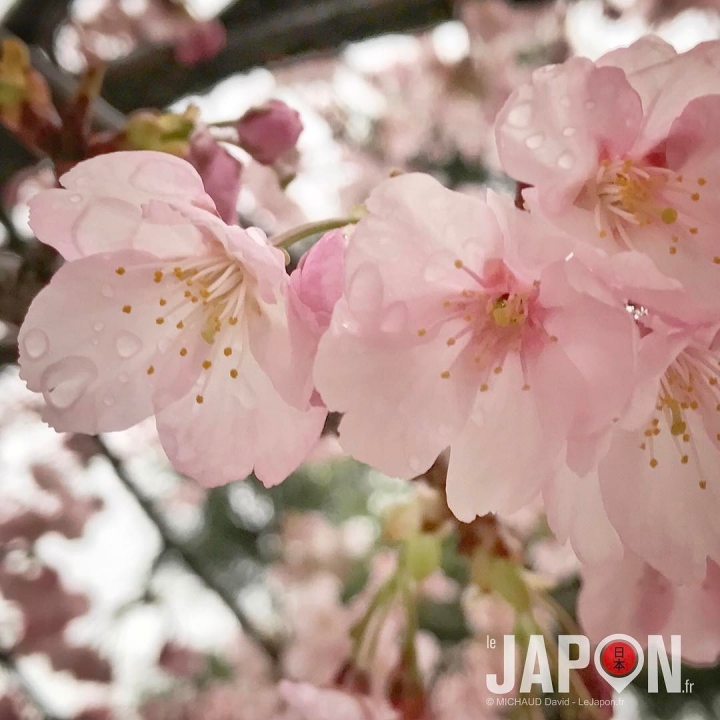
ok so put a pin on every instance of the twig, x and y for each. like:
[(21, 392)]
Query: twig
[(7, 661), (171, 544)]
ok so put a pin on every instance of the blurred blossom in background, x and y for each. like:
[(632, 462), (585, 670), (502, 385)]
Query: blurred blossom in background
[(128, 591)]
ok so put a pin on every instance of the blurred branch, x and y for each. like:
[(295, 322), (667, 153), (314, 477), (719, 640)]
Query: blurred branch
[(260, 32), (171, 544), (7, 661)]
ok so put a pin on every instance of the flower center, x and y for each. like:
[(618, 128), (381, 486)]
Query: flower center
[(625, 194), (488, 318), (689, 386)]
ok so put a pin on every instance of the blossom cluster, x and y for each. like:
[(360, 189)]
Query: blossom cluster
[(562, 344)]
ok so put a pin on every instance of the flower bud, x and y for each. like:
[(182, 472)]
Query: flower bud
[(269, 131)]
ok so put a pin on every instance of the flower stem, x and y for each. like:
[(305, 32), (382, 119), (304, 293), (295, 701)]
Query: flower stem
[(290, 237)]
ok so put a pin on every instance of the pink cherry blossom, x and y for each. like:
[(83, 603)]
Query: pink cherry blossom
[(269, 131), (455, 329), (646, 603), (623, 153), (166, 310), (200, 41)]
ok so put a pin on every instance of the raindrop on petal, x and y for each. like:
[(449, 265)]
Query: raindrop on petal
[(127, 344), (535, 141), (36, 344), (566, 161), (520, 116), (64, 383)]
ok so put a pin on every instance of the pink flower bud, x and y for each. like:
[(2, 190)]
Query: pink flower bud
[(269, 131)]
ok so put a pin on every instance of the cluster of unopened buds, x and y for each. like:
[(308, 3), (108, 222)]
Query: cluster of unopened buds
[(564, 346)]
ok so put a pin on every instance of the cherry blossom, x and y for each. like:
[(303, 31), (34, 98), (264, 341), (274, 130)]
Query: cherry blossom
[(647, 603), (269, 131), (166, 310), (453, 332), (622, 153)]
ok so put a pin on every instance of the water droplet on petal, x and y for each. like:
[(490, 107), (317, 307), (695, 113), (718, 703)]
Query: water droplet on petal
[(36, 344), (569, 131), (107, 291), (394, 318), (127, 344), (64, 383), (520, 116), (566, 160), (535, 141), (98, 327)]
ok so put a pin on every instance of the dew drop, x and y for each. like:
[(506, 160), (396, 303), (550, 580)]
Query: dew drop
[(36, 344), (63, 383), (107, 291), (127, 344), (520, 116), (566, 161), (535, 141), (569, 131)]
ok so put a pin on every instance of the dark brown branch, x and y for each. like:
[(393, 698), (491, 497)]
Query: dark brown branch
[(263, 32)]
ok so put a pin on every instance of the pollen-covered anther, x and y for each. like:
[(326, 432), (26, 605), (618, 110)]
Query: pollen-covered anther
[(199, 399), (207, 364), (150, 370), (127, 309), (158, 276), (120, 271)]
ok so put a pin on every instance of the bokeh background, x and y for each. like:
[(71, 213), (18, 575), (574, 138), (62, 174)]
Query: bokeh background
[(126, 591)]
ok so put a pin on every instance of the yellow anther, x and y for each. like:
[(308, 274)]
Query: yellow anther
[(458, 264), (120, 271), (227, 352), (653, 463), (207, 364), (684, 459), (445, 374), (484, 387), (180, 325), (158, 276), (695, 197), (233, 321), (233, 373), (701, 181), (199, 399), (127, 309), (422, 332), (183, 351), (669, 216), (163, 302), (159, 320), (150, 370)]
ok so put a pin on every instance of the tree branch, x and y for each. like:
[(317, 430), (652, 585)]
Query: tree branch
[(260, 33), (171, 544)]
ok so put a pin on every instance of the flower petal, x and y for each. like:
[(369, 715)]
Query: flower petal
[(89, 340), (551, 132), (233, 421), (108, 205)]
